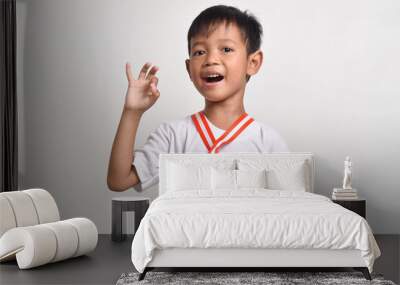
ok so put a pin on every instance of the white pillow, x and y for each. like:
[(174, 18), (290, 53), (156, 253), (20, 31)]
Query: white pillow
[(237, 179), (293, 179), (251, 178), (223, 179), (282, 174), (182, 177)]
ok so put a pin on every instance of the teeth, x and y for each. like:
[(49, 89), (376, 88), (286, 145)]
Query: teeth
[(213, 75)]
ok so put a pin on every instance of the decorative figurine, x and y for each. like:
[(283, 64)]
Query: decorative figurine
[(347, 173)]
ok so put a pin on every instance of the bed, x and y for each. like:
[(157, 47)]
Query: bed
[(246, 210)]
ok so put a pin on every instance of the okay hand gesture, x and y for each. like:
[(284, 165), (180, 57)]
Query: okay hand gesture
[(142, 93)]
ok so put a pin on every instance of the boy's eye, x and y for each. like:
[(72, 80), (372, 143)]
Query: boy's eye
[(198, 52), (227, 49)]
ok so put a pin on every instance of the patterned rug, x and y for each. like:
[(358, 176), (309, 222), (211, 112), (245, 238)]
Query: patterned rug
[(244, 278)]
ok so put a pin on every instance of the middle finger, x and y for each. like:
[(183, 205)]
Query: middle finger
[(143, 71), (152, 72)]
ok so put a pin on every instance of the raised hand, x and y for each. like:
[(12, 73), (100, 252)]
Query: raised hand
[(142, 93)]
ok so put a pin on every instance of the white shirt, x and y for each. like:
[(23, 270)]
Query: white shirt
[(181, 136)]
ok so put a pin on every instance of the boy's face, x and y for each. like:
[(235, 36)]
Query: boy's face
[(218, 63)]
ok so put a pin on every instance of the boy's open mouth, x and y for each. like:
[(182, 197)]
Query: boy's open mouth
[(213, 78)]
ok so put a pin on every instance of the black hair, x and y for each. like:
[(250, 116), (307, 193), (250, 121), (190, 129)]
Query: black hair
[(249, 26)]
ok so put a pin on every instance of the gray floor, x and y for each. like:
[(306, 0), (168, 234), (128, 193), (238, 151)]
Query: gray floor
[(110, 259), (102, 266)]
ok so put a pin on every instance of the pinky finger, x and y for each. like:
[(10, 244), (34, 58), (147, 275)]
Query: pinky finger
[(128, 71)]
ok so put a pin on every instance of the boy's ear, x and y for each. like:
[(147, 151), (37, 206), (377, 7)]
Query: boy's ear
[(187, 62), (254, 62)]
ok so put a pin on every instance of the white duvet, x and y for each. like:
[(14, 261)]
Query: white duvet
[(251, 218)]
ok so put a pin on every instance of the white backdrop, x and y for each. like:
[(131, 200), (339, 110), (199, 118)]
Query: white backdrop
[(329, 84)]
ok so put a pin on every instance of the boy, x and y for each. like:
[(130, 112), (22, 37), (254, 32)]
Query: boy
[(224, 52)]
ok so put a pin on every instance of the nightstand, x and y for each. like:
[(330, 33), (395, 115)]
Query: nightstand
[(358, 206), (139, 205)]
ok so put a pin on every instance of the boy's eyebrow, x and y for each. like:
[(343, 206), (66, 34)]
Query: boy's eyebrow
[(220, 40)]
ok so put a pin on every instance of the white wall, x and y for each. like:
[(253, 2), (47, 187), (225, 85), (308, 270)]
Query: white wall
[(329, 84)]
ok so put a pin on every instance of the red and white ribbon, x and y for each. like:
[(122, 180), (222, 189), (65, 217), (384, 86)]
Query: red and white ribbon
[(214, 145)]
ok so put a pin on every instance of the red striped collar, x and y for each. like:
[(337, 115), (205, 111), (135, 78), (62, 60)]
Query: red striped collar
[(212, 144)]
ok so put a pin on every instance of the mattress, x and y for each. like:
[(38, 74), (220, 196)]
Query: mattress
[(251, 219)]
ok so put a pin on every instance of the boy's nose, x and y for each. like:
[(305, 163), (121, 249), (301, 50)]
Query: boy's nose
[(209, 63), (211, 59)]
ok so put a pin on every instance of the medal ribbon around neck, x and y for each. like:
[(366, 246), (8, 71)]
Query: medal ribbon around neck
[(214, 145)]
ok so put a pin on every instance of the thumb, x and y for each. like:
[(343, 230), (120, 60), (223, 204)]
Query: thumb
[(154, 80), (154, 89)]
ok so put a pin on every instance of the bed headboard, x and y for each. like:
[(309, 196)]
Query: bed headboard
[(214, 159)]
